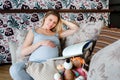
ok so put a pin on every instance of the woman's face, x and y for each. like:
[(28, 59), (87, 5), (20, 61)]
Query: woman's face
[(50, 21)]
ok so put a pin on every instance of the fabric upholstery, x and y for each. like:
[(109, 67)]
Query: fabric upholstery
[(44, 70), (106, 37), (87, 31), (13, 48), (105, 64)]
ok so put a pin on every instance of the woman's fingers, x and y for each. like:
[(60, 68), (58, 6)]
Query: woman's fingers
[(49, 43)]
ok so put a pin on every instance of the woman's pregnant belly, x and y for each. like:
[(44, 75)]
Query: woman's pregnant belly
[(43, 53)]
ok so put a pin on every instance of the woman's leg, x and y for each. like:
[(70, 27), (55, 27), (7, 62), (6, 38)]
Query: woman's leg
[(17, 72)]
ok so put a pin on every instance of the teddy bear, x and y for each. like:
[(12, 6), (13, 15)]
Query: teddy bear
[(78, 69), (71, 69)]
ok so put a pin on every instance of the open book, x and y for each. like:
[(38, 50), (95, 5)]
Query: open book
[(75, 50)]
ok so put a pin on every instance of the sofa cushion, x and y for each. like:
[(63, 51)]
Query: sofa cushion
[(106, 37), (87, 31), (105, 64)]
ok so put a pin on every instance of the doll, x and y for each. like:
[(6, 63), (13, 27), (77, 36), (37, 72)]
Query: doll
[(68, 73), (78, 63), (71, 69), (65, 70)]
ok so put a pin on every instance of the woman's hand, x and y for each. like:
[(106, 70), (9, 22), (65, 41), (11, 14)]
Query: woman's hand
[(48, 43)]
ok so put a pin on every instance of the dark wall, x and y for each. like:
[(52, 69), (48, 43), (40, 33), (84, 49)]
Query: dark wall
[(115, 16), (114, 1)]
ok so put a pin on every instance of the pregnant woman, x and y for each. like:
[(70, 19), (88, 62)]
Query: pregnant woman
[(42, 43)]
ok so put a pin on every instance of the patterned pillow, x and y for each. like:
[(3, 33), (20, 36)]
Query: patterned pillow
[(105, 64), (87, 31)]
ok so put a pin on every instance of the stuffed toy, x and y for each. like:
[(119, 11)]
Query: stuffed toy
[(71, 69), (68, 73), (78, 63), (65, 70)]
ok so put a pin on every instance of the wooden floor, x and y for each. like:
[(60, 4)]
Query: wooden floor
[(4, 72)]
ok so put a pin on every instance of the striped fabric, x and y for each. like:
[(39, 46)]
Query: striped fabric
[(106, 37)]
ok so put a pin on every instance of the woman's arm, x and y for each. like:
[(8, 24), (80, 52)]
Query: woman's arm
[(27, 47), (71, 28)]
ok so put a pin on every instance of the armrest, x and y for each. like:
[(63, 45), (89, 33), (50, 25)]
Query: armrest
[(13, 48)]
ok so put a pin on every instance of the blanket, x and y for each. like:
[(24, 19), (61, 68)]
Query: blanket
[(44, 70)]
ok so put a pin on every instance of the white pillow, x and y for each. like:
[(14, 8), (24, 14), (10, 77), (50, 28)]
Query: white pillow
[(76, 49), (87, 31)]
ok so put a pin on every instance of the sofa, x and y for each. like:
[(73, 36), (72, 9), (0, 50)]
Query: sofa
[(87, 32), (105, 63)]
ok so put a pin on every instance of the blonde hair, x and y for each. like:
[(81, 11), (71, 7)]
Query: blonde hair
[(58, 27)]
